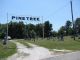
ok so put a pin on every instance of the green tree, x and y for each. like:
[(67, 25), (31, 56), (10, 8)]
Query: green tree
[(62, 31), (47, 29), (68, 27), (2, 30), (16, 30), (38, 30), (77, 25), (54, 33), (12, 29)]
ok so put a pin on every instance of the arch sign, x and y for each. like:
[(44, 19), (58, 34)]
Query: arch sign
[(25, 18)]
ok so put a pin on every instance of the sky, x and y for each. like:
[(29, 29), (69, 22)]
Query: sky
[(55, 11)]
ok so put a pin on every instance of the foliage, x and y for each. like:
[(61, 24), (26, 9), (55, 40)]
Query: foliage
[(20, 30), (38, 30), (68, 27), (47, 29), (2, 30), (54, 33), (61, 31), (16, 30), (77, 26), (2, 35)]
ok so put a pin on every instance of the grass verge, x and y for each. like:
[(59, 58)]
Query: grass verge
[(7, 50), (68, 43)]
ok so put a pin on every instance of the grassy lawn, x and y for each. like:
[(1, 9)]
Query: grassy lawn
[(68, 43), (7, 50)]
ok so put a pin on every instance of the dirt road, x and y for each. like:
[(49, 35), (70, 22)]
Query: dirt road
[(34, 53)]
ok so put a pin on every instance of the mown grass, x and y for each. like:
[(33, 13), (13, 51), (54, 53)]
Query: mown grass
[(68, 43), (7, 50)]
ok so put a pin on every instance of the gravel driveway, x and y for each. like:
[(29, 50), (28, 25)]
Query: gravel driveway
[(34, 53)]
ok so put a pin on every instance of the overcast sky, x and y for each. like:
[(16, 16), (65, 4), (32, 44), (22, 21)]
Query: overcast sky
[(56, 11)]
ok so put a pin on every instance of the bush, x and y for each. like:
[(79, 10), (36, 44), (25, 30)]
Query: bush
[(2, 35)]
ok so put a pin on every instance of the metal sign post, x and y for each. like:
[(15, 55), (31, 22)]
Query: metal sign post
[(6, 34), (43, 27), (28, 18), (7, 26)]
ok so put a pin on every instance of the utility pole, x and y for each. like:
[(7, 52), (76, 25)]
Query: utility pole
[(25, 30), (43, 27), (6, 33), (7, 27), (72, 19)]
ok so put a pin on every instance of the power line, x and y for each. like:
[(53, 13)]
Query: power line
[(59, 9)]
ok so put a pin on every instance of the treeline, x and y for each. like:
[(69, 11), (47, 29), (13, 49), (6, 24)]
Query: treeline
[(68, 30), (20, 30)]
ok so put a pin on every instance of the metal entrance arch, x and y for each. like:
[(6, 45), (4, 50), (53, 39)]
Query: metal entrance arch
[(24, 18)]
